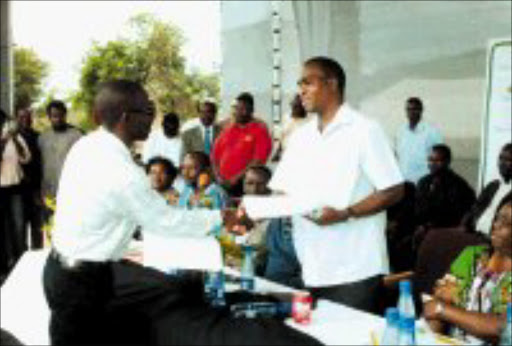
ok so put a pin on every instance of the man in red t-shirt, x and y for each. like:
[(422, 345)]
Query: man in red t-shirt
[(245, 143)]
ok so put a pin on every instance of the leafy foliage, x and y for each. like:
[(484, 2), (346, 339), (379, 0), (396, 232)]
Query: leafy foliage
[(151, 54), (29, 73)]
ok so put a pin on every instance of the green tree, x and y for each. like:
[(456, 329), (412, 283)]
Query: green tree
[(29, 73), (152, 55)]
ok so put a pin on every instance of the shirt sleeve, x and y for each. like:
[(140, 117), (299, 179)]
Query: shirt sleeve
[(218, 148), (263, 144), (149, 210), (378, 162), (27, 155)]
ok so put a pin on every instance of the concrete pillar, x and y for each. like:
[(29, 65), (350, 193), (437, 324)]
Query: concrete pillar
[(6, 63)]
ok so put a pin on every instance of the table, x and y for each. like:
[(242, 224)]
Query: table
[(25, 313)]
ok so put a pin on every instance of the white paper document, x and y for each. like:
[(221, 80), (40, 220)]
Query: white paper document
[(268, 207), (168, 254)]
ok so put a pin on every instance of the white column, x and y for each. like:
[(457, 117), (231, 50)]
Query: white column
[(6, 65)]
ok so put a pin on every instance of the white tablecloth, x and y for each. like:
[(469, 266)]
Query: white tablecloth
[(25, 313)]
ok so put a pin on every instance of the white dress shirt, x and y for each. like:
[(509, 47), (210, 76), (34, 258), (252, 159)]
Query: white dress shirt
[(413, 148), (347, 162), (103, 196), (484, 223), (159, 145)]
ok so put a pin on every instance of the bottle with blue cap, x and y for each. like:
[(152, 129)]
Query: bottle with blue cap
[(390, 335), (406, 331), (506, 333), (405, 301), (247, 273)]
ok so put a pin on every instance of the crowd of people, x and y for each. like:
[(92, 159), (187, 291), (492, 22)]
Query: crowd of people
[(330, 154)]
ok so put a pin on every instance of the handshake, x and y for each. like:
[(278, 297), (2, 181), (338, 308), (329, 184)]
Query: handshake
[(237, 221)]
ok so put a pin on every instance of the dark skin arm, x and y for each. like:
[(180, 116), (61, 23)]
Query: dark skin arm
[(482, 325), (371, 205)]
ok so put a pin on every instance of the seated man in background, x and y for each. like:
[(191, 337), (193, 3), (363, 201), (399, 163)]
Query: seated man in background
[(162, 174), (480, 217), (443, 197), (165, 142), (200, 191), (473, 297)]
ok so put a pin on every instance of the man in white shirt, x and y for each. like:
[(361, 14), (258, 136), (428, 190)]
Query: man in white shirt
[(341, 162), (103, 195), (415, 141), (165, 142)]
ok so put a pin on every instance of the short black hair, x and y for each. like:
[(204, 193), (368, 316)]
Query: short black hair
[(332, 69), (169, 167), (263, 171), (58, 104), (171, 118), (415, 100), (507, 147), (211, 104), (247, 99), (3, 115), (115, 98), (444, 150), (202, 158)]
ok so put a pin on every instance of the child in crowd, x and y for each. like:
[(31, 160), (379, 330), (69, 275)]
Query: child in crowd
[(200, 190), (162, 174)]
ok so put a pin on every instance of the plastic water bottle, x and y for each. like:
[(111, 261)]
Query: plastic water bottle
[(261, 310), (390, 335), (406, 331), (247, 274), (405, 302), (506, 333), (214, 287)]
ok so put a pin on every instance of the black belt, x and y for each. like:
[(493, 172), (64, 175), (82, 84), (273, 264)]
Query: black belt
[(72, 264)]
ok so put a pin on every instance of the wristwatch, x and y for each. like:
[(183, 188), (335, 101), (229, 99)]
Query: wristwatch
[(439, 309)]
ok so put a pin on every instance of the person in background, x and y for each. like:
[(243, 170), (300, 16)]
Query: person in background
[(200, 190), (298, 117), (202, 137), (165, 142), (256, 184), (32, 175), (14, 153), (479, 218), (161, 174), (473, 296), (54, 145), (442, 197), (414, 142), (241, 145)]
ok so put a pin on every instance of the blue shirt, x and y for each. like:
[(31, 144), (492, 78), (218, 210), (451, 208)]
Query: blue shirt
[(213, 198), (413, 148)]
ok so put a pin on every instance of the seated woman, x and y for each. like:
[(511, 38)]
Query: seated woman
[(200, 190), (162, 174), (473, 297)]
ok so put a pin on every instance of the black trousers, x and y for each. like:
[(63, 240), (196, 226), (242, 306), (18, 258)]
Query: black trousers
[(363, 295), (144, 306)]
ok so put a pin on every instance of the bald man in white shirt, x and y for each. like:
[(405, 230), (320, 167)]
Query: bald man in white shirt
[(103, 195)]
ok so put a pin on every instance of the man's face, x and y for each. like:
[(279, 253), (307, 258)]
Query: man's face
[(140, 118), (57, 119), (255, 184), (171, 128), (242, 113), (208, 114), (25, 119), (414, 111), (505, 164), (190, 170), (158, 177), (436, 162), (314, 89)]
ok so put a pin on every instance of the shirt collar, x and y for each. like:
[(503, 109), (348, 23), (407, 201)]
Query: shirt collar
[(114, 142), (344, 116)]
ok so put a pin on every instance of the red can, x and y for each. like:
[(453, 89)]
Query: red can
[(302, 306)]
